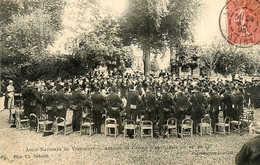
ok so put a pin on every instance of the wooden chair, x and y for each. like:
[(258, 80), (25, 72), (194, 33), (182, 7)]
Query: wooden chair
[(87, 126), (204, 126), (237, 125), (21, 123), (223, 125), (33, 122), (111, 123), (248, 118), (172, 127), (66, 124), (186, 127), (129, 125), (146, 125), (43, 123)]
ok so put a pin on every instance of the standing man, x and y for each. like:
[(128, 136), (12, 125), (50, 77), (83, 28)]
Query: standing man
[(133, 100), (165, 108), (98, 108), (10, 102), (214, 104), (182, 105), (10, 95), (199, 105), (115, 107), (238, 103), (150, 104), (228, 101)]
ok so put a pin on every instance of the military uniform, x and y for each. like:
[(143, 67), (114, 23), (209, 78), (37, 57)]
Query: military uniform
[(227, 100), (199, 104), (98, 108), (114, 108), (182, 106), (214, 104), (165, 109), (150, 104), (238, 104), (77, 99), (133, 101), (61, 104)]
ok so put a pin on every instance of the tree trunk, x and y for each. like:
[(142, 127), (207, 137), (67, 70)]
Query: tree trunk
[(146, 58), (191, 73)]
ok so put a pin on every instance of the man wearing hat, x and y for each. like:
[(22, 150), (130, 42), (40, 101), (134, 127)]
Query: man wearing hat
[(214, 104), (238, 103), (150, 104), (133, 100), (98, 108), (249, 154), (199, 104), (165, 107), (10, 102), (182, 104), (10, 95), (228, 101), (114, 102)]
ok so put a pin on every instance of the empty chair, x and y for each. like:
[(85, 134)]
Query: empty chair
[(43, 123), (236, 125), (221, 126), (248, 118), (111, 127), (21, 122), (204, 126), (146, 125), (172, 127), (64, 124), (87, 126), (129, 125), (186, 127)]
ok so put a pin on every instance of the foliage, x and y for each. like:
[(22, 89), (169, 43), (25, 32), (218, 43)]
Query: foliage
[(227, 59), (27, 28), (101, 44)]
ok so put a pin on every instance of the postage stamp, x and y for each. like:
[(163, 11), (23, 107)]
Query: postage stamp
[(243, 22)]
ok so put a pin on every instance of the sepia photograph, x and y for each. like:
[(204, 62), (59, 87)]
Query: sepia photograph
[(130, 82)]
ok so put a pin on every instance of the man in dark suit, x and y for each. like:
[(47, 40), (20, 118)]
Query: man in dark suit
[(98, 108), (150, 104), (238, 103), (165, 107), (214, 103), (199, 104), (133, 100), (182, 105), (77, 101), (114, 102), (249, 154), (228, 101)]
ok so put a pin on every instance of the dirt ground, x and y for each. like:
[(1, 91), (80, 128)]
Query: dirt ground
[(28, 147)]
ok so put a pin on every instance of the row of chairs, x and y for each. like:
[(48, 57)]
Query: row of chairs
[(63, 125)]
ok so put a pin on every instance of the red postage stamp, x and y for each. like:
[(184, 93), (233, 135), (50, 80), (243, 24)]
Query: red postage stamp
[(243, 22)]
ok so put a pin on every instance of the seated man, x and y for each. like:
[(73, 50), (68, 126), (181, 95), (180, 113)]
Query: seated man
[(250, 152)]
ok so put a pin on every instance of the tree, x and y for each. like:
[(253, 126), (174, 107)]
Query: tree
[(232, 61), (101, 43), (27, 28), (141, 25)]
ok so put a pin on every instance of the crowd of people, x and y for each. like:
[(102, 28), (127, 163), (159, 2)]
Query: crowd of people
[(133, 96)]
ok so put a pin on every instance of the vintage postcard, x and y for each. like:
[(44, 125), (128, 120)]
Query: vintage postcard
[(130, 82)]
